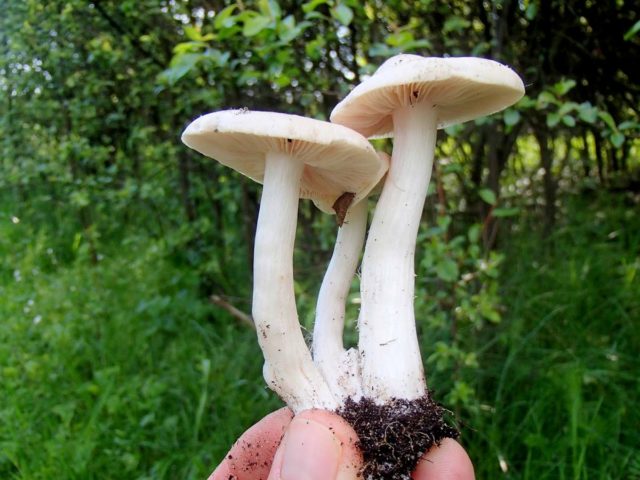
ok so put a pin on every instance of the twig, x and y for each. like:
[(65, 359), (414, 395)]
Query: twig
[(118, 27), (239, 315)]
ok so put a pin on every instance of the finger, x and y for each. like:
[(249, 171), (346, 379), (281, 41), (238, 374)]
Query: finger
[(251, 456), (222, 472), (318, 445), (449, 461)]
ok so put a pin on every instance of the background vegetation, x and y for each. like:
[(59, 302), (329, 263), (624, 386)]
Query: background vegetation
[(115, 362)]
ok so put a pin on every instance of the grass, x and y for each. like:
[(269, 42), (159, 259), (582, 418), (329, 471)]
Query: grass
[(117, 370), (561, 381), (121, 369)]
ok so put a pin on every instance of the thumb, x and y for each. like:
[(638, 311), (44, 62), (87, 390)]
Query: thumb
[(318, 445)]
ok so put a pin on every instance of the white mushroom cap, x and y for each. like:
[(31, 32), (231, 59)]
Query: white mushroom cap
[(337, 159), (460, 89)]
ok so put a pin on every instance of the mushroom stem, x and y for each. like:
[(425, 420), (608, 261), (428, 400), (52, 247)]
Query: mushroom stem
[(328, 349), (288, 369), (388, 344)]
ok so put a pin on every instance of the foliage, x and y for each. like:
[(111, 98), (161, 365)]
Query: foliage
[(460, 282), (116, 369), (558, 371), (121, 369)]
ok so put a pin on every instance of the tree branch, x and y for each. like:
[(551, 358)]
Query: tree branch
[(244, 318), (127, 34)]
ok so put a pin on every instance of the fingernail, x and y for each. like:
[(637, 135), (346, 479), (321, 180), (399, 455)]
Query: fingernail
[(311, 452)]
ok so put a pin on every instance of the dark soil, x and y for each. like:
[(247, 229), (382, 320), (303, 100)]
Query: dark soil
[(394, 436)]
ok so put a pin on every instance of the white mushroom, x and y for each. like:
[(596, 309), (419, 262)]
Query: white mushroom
[(341, 367), (409, 97), (293, 157)]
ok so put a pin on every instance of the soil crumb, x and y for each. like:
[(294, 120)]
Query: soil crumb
[(394, 436)]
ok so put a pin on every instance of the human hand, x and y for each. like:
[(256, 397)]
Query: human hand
[(320, 445)]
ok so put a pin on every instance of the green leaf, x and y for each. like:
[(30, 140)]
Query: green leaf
[(444, 221), (447, 270), (617, 139), (289, 33), (632, 32), (505, 212), (452, 168), (192, 33), (553, 119), (569, 121), (456, 243), (488, 312), (453, 130), (474, 233), (531, 12), (270, 8), (287, 23), (282, 80), (526, 102), (455, 23), (545, 98), (442, 356), (382, 50), (415, 44), (311, 6), (225, 18), (315, 16), (369, 11), (628, 125), (511, 117), (567, 107), (188, 47), (80, 198), (471, 360), (587, 113), (608, 119), (248, 77), (461, 393), (313, 49), (255, 24), (180, 65), (488, 196), (399, 39), (488, 120), (481, 49), (562, 87), (218, 57), (342, 13)]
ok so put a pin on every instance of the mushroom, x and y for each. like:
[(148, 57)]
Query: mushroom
[(409, 97), (293, 157), (338, 366), (341, 367)]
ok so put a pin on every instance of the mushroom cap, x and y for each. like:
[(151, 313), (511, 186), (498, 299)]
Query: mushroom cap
[(461, 89), (337, 159)]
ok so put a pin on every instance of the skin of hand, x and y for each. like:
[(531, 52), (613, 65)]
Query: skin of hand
[(320, 445)]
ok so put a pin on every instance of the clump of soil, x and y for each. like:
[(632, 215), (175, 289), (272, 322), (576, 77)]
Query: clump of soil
[(394, 436)]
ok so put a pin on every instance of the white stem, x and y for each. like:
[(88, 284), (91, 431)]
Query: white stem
[(328, 349), (288, 367), (388, 344)]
